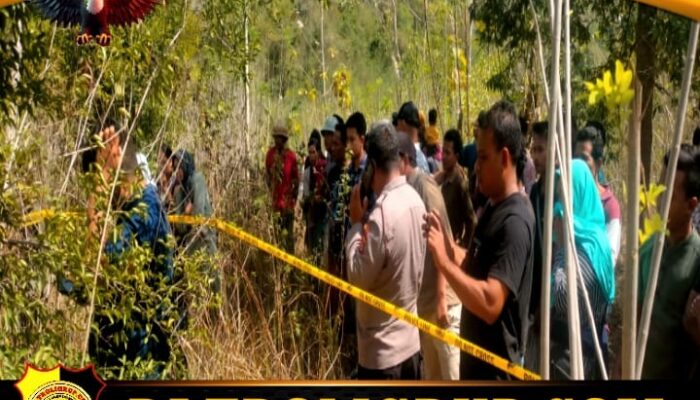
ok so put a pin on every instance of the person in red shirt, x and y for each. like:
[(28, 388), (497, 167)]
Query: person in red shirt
[(282, 179), (313, 203)]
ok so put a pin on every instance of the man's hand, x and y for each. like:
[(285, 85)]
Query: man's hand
[(358, 206), (436, 238), (363, 238), (93, 225), (443, 318), (109, 138)]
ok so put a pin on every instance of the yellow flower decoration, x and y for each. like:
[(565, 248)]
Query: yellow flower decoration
[(294, 126), (647, 199), (617, 92), (341, 87), (651, 226)]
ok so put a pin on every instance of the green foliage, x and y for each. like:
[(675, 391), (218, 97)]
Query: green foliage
[(47, 327), (21, 60), (601, 32), (41, 326), (179, 76)]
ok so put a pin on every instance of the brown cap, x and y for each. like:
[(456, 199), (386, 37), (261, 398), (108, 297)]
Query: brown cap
[(280, 130)]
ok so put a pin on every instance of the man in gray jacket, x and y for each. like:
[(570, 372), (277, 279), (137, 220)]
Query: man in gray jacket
[(385, 257), (437, 302)]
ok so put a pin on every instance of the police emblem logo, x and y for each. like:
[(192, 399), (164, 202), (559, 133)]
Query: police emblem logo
[(59, 382)]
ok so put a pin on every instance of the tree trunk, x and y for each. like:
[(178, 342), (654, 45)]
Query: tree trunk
[(631, 273), (468, 54), (645, 50), (246, 78), (460, 106), (436, 96), (323, 50), (396, 57), (14, 127)]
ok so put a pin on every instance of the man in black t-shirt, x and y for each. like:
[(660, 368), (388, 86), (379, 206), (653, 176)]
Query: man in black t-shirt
[(494, 278)]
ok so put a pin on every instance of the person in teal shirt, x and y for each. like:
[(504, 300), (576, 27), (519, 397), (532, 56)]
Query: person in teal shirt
[(670, 352), (595, 264)]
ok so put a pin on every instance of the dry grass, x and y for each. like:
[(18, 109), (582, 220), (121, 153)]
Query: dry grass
[(271, 321)]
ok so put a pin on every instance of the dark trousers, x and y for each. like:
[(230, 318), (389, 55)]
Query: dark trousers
[(410, 369), (284, 222), (147, 341)]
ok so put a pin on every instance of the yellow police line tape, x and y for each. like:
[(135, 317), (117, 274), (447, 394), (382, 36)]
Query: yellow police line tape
[(360, 294)]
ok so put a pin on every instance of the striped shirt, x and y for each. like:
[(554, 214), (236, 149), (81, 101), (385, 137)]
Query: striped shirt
[(560, 311)]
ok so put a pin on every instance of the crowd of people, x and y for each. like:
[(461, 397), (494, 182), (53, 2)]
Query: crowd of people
[(451, 232), (454, 233)]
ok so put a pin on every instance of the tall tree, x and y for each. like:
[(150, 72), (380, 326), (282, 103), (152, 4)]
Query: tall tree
[(658, 36), (22, 54), (646, 73)]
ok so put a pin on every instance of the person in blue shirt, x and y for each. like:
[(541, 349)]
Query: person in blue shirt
[(140, 222)]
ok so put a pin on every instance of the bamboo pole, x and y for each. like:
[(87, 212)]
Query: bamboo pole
[(549, 192), (567, 92), (545, 293), (552, 17), (666, 200), (468, 28), (540, 52), (575, 349)]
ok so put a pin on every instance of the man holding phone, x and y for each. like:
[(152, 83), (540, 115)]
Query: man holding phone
[(385, 257)]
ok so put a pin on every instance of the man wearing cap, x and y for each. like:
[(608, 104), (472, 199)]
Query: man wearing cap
[(408, 122), (327, 132), (283, 181)]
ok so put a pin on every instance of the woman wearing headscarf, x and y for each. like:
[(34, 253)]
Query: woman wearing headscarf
[(595, 266)]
